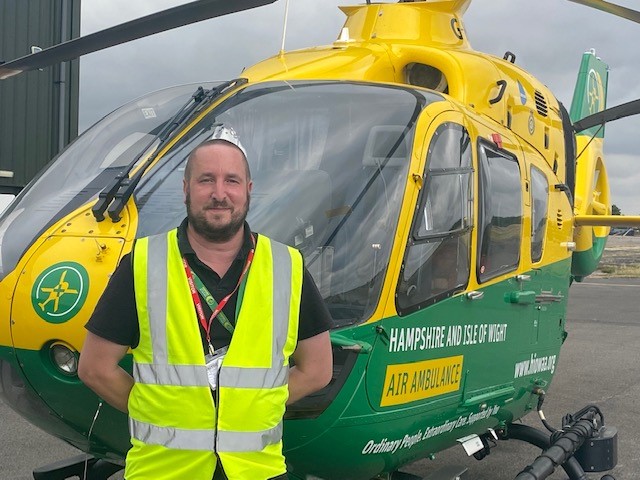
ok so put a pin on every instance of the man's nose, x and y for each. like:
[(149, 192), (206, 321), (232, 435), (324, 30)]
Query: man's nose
[(218, 192)]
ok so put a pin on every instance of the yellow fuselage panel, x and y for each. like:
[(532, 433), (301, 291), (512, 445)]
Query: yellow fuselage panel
[(83, 223), (59, 287), (7, 285), (57, 283), (344, 63)]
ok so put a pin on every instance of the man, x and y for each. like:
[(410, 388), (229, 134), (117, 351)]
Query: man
[(209, 284)]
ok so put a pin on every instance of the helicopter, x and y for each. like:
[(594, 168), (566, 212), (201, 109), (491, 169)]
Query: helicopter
[(444, 201)]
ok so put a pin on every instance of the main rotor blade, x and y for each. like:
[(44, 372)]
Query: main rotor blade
[(612, 8), (142, 27), (608, 115)]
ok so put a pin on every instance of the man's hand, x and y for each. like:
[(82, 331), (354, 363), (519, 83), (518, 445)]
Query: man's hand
[(313, 366), (99, 370)]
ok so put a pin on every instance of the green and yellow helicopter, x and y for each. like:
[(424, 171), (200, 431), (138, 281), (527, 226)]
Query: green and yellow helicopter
[(444, 201)]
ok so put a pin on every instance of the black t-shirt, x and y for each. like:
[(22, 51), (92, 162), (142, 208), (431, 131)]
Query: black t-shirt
[(115, 317)]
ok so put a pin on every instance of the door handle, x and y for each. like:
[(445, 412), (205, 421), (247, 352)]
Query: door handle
[(547, 297), (475, 295)]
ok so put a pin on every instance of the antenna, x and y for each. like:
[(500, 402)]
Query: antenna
[(284, 28)]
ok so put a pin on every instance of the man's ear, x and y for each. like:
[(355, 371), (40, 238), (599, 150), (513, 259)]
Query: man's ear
[(185, 190)]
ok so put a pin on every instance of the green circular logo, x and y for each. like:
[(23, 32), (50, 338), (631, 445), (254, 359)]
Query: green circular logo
[(60, 292)]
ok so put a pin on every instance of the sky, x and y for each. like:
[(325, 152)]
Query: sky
[(548, 38)]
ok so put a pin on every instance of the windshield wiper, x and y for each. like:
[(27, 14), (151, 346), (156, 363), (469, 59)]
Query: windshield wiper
[(116, 195)]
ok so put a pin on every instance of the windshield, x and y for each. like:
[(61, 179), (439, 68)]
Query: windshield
[(329, 163), (82, 170)]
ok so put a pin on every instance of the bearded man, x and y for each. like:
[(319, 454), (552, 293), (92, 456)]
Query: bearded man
[(212, 312)]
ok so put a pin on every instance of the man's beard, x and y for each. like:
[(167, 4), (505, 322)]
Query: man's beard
[(213, 233)]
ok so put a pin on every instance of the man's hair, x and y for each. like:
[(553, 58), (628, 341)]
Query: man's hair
[(187, 168)]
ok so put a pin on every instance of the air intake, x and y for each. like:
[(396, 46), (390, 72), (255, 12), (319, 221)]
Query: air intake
[(541, 104)]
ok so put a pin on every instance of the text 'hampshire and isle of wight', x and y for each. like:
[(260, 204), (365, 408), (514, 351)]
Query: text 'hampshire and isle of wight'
[(409, 339), (408, 382)]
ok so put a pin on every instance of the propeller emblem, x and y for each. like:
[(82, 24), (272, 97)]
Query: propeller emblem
[(60, 291)]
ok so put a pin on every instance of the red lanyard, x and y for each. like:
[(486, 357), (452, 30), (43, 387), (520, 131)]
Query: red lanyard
[(196, 297)]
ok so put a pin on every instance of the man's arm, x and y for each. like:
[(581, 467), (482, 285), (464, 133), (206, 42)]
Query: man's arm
[(313, 366), (99, 370)]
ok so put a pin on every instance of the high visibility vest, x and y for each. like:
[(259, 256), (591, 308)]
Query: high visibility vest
[(176, 430)]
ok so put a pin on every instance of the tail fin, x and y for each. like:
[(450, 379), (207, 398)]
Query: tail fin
[(590, 94), (592, 186)]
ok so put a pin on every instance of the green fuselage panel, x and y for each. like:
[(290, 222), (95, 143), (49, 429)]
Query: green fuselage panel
[(454, 368)]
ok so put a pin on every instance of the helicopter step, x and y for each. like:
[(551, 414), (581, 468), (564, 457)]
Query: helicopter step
[(82, 466)]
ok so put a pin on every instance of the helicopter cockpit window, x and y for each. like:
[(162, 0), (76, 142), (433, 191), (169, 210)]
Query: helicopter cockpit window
[(437, 260), (329, 163), (125, 151), (85, 168), (500, 222), (539, 204)]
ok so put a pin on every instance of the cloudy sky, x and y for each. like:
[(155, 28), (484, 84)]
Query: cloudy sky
[(547, 36)]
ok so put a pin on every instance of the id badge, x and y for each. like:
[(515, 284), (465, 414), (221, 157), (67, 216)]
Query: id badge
[(214, 362)]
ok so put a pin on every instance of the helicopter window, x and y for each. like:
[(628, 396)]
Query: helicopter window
[(437, 259), (125, 151), (329, 163), (500, 222), (84, 169), (540, 197)]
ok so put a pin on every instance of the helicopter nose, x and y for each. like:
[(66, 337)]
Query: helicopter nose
[(51, 294), (15, 392)]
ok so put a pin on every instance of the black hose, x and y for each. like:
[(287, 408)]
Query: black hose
[(541, 440), (541, 396), (563, 446)]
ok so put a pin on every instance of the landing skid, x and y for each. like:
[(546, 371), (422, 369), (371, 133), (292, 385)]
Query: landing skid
[(85, 467), (449, 472)]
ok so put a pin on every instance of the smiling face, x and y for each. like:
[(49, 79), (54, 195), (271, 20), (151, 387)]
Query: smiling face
[(217, 191)]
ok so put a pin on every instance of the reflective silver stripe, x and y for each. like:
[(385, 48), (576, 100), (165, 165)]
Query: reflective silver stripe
[(281, 298), (179, 375), (248, 441), (241, 377), (277, 375), (157, 285), (170, 437)]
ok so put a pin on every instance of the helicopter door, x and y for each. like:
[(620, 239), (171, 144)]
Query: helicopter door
[(415, 364), (548, 276), (499, 309), (539, 203)]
